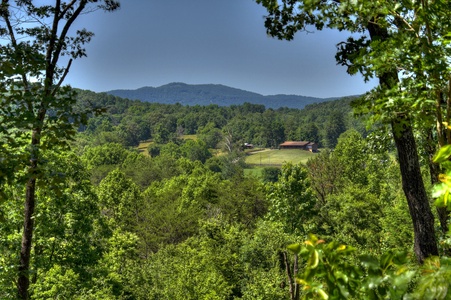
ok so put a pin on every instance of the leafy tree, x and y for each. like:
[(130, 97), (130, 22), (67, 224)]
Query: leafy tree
[(380, 28), (324, 172), (210, 134), (223, 261), (195, 150), (101, 160), (261, 254), (272, 129), (333, 128), (165, 131), (331, 273), (37, 115), (291, 199), (67, 234), (242, 201), (353, 156), (162, 135), (154, 150), (120, 200), (171, 149), (270, 174), (106, 154), (310, 132), (230, 165), (353, 217), (133, 131), (116, 272)]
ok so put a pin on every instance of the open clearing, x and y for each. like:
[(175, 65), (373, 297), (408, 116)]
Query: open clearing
[(257, 159), (278, 157)]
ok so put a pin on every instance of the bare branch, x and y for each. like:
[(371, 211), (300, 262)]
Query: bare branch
[(66, 71)]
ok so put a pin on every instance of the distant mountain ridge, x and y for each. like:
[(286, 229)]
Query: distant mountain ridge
[(206, 94)]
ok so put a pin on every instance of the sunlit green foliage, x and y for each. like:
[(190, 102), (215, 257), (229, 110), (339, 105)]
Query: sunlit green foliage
[(68, 230), (291, 199)]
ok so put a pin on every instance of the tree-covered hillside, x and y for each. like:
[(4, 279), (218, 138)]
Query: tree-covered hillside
[(206, 94), (131, 121)]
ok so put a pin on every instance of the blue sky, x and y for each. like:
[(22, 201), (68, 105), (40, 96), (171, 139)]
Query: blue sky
[(155, 42)]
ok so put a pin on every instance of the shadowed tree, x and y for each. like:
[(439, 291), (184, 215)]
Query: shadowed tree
[(36, 111), (381, 27)]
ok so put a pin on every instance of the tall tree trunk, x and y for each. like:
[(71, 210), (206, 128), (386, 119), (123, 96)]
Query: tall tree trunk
[(23, 281), (425, 243), (24, 273), (291, 276)]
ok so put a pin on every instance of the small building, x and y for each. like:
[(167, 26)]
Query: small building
[(248, 146), (303, 145)]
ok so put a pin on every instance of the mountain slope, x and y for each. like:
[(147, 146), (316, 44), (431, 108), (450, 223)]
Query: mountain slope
[(205, 94)]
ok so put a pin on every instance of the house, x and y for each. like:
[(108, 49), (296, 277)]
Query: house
[(303, 145)]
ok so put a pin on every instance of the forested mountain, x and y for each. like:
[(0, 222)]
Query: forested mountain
[(206, 94)]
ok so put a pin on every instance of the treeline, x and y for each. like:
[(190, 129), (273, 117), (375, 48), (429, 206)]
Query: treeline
[(128, 122)]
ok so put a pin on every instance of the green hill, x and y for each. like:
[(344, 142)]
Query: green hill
[(206, 94)]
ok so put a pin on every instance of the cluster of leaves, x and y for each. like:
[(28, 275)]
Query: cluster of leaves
[(442, 190), (334, 271)]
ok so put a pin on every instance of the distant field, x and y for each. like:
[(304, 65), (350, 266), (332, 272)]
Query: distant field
[(278, 157), (142, 147), (189, 137), (256, 158)]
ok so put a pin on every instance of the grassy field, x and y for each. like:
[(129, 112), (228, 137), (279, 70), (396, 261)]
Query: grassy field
[(189, 137), (142, 147), (278, 157)]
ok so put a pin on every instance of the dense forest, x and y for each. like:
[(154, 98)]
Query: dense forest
[(84, 214)]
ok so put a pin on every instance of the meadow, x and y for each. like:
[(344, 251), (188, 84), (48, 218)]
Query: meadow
[(257, 160), (276, 157)]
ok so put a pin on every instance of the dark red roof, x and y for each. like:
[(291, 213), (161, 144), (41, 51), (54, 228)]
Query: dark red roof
[(294, 143)]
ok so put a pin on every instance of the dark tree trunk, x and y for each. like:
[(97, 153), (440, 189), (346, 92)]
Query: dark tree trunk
[(23, 282), (425, 244), (291, 276)]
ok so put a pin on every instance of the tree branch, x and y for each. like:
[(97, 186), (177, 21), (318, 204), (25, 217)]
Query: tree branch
[(66, 71)]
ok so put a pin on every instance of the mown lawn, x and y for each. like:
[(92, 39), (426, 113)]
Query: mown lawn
[(278, 157)]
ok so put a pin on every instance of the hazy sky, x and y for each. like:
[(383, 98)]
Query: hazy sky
[(155, 42)]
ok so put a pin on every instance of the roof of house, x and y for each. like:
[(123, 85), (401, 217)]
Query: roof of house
[(296, 143)]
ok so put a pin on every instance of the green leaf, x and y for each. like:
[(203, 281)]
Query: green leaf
[(369, 261), (443, 154), (295, 248)]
